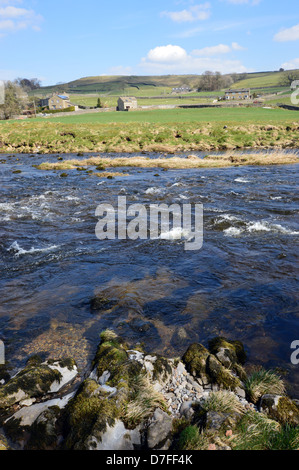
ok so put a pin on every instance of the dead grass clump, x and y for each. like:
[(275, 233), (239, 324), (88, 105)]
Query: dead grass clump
[(210, 161), (107, 174), (144, 400)]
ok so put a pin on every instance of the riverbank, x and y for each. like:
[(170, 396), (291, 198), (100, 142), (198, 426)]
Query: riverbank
[(131, 400), (59, 137)]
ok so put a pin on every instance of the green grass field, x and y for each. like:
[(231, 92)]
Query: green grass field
[(225, 115), (259, 80), (171, 130)]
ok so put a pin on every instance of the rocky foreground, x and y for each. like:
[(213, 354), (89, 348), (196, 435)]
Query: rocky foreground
[(135, 401)]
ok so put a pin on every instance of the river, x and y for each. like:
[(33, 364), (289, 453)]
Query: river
[(241, 284)]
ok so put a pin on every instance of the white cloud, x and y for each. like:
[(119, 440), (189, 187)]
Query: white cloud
[(13, 12), (174, 59), (194, 13), (237, 47), (288, 34), (213, 50), (216, 50), (291, 65), (167, 54), (10, 2), (14, 19)]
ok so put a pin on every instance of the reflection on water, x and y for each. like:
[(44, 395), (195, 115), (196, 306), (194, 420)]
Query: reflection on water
[(241, 284)]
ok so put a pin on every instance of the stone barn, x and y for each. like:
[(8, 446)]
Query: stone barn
[(126, 103)]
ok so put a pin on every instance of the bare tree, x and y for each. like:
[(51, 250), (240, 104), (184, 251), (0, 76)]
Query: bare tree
[(227, 81), (210, 81), (28, 84), (288, 78)]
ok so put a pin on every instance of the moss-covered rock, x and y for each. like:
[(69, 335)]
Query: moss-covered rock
[(87, 416), (281, 409), (162, 369), (227, 352), (30, 382), (44, 432), (15, 431), (4, 374), (99, 403), (195, 360), (37, 379), (111, 354), (113, 365), (220, 375)]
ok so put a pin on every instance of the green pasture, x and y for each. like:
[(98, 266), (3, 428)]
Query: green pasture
[(225, 115)]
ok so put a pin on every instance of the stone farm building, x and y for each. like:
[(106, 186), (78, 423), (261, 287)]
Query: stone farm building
[(57, 102), (182, 89), (126, 103), (243, 94)]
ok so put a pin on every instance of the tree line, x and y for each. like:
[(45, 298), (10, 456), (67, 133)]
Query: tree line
[(214, 81)]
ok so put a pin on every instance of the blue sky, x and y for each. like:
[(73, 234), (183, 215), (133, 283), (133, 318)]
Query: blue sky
[(60, 41)]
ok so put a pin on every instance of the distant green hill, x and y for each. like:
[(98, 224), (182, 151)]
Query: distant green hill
[(159, 85)]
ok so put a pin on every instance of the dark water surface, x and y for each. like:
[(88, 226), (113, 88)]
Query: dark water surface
[(242, 284)]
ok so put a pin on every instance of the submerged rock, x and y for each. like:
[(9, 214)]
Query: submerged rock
[(227, 352)]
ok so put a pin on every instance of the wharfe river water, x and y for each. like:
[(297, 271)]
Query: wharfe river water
[(241, 284)]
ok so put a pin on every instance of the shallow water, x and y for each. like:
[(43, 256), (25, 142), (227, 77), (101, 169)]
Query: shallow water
[(242, 283)]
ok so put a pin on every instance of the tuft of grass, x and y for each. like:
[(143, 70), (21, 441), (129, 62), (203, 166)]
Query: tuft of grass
[(287, 438), (191, 439), (222, 402), (254, 432), (108, 335), (263, 381), (144, 399)]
